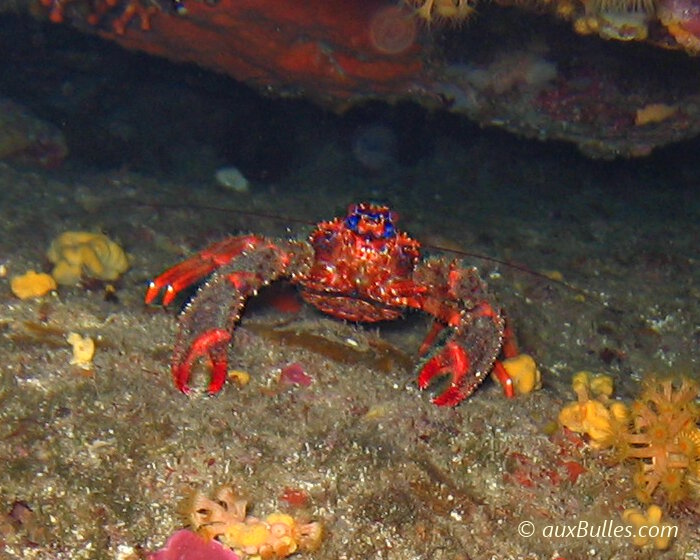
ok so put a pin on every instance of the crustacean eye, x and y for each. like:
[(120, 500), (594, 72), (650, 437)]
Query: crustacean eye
[(352, 221), (389, 230), (371, 221)]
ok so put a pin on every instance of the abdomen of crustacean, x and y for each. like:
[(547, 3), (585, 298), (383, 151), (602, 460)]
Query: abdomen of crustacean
[(350, 307)]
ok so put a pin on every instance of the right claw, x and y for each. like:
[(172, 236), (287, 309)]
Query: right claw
[(213, 342)]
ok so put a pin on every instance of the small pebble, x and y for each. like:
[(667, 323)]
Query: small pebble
[(232, 179)]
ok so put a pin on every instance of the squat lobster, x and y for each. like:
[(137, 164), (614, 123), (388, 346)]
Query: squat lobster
[(359, 268)]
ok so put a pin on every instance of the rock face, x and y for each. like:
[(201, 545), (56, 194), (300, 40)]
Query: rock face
[(26, 139), (332, 51), (508, 68)]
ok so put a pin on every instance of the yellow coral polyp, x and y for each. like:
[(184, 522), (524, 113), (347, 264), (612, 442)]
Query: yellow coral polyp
[(602, 385), (248, 537), (523, 370), (277, 536), (648, 528), (80, 253), (281, 519), (32, 285), (453, 10), (654, 113), (662, 435), (674, 484), (688, 443), (273, 537)]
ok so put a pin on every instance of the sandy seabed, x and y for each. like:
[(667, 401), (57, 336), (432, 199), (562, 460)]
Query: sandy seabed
[(102, 458)]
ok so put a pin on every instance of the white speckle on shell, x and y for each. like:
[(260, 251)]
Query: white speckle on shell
[(232, 179)]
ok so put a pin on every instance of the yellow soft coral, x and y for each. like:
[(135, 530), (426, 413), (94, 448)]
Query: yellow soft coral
[(82, 253), (32, 285), (648, 528), (224, 517)]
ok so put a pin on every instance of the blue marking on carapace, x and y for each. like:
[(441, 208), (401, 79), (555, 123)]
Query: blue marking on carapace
[(353, 220)]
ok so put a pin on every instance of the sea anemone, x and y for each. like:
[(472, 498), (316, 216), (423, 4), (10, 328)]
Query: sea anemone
[(622, 20), (210, 517), (392, 30)]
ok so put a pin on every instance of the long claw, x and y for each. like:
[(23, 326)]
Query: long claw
[(177, 278), (191, 271)]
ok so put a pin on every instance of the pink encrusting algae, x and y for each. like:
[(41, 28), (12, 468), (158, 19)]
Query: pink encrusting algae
[(187, 545)]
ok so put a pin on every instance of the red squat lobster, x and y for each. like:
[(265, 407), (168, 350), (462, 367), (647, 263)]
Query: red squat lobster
[(357, 268)]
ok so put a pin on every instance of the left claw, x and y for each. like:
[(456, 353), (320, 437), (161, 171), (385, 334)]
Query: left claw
[(453, 360), (196, 268)]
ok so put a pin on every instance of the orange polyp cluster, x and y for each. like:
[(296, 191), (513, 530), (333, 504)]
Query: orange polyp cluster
[(664, 436), (646, 6), (57, 9), (126, 11), (443, 10), (660, 431), (224, 518)]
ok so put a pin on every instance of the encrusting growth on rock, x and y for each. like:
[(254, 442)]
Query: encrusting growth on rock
[(224, 518)]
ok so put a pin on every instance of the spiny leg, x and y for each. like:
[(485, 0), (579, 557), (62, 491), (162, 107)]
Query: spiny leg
[(206, 326)]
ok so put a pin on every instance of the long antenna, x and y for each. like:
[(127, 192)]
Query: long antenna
[(258, 214)]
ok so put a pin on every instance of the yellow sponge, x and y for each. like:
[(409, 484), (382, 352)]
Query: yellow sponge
[(32, 285), (83, 253), (523, 370)]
